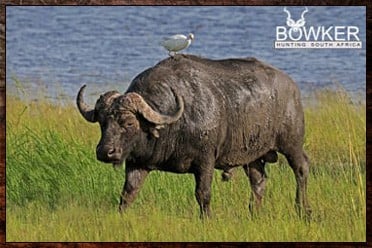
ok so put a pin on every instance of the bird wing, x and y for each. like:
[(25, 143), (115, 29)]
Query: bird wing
[(175, 42), (176, 37)]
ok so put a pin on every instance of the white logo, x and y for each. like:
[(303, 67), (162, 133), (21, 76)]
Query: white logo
[(294, 26), (297, 35)]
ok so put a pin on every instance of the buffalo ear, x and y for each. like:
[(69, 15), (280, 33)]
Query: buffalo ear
[(155, 130)]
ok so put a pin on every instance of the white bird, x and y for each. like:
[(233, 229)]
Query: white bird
[(177, 42)]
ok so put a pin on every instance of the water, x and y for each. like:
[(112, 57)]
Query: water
[(109, 46)]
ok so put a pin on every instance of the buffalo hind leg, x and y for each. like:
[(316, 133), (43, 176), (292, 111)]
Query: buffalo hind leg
[(134, 179), (203, 179), (255, 171), (299, 163)]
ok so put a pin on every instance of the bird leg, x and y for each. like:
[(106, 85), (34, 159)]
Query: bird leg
[(171, 54)]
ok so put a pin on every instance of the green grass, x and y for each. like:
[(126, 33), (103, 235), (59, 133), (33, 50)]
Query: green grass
[(57, 191)]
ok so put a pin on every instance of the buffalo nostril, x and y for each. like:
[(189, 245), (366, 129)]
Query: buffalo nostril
[(111, 152)]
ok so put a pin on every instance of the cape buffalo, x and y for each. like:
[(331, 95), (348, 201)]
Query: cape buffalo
[(189, 114)]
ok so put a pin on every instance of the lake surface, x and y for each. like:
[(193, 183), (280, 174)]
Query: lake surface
[(64, 47)]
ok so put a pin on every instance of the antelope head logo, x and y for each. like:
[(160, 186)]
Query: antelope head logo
[(295, 25)]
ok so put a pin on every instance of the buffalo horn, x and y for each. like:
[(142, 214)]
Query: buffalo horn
[(86, 111), (140, 106)]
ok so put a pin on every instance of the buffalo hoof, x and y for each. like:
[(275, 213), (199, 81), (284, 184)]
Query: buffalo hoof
[(226, 175)]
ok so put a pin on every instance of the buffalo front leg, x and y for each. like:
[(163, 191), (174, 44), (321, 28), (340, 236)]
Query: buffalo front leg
[(134, 178), (203, 179), (255, 171)]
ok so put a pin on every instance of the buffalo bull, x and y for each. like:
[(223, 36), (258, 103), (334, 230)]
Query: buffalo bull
[(192, 115)]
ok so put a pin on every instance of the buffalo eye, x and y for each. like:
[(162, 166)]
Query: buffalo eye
[(126, 124), (129, 124)]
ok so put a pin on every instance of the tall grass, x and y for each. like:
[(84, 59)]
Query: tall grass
[(335, 129), (58, 191)]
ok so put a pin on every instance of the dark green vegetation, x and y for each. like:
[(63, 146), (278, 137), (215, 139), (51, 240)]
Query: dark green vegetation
[(58, 191)]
